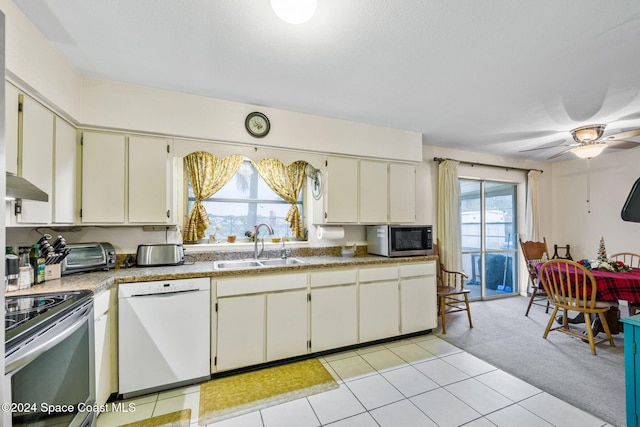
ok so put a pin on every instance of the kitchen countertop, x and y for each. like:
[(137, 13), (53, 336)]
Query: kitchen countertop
[(101, 280)]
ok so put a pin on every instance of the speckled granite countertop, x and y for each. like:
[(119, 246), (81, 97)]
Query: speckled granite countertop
[(98, 281)]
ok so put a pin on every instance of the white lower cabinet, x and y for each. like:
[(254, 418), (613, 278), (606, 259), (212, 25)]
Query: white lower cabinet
[(271, 317), (334, 309), (287, 331), (241, 325), (104, 347), (378, 303), (260, 319), (418, 306)]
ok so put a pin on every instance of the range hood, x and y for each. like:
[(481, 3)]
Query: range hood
[(20, 188)]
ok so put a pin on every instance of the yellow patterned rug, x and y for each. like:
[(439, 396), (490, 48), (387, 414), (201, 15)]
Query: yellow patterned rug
[(231, 396), (174, 419)]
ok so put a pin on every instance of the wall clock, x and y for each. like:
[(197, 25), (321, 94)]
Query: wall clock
[(257, 124), (316, 185)]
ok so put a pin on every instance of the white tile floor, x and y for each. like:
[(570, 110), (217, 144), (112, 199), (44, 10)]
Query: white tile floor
[(423, 381)]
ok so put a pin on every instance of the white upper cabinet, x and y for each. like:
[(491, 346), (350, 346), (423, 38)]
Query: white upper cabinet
[(402, 193), (103, 178), (373, 192), (64, 186), (125, 179), (11, 128), (338, 203), (36, 159), (149, 180)]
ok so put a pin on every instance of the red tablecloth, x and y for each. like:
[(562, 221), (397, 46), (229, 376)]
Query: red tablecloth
[(617, 286)]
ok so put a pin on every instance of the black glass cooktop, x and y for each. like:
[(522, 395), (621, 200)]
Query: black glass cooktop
[(27, 314)]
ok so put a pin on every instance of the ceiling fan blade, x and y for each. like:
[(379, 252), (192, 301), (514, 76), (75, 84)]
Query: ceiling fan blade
[(622, 144), (623, 135), (559, 154), (553, 144)]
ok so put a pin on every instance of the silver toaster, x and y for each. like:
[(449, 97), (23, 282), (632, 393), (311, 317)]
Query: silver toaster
[(160, 254)]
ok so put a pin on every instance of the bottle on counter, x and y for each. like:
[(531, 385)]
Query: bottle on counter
[(37, 262), (12, 270), (25, 277)]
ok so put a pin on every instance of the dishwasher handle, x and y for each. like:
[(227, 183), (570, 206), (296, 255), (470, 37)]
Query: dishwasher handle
[(165, 294)]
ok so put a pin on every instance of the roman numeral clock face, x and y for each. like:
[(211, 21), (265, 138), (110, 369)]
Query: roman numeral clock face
[(257, 124)]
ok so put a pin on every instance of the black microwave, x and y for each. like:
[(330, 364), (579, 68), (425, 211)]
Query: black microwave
[(399, 240)]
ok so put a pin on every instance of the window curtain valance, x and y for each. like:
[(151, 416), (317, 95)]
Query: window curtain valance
[(286, 182), (207, 174)]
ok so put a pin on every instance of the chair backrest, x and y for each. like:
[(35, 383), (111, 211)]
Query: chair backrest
[(629, 258), (534, 253), (568, 284), (454, 279)]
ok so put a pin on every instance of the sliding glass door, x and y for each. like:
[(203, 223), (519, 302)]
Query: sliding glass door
[(489, 239)]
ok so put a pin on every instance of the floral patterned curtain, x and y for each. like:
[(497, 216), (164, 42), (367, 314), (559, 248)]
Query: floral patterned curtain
[(287, 182), (208, 174)]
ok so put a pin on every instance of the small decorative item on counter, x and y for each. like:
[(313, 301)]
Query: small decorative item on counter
[(348, 252), (249, 235), (25, 277), (231, 239)]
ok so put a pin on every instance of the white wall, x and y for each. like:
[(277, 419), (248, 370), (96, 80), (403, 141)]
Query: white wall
[(134, 108), (611, 177)]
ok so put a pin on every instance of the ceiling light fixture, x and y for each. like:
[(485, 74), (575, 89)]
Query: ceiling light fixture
[(588, 151), (294, 11)]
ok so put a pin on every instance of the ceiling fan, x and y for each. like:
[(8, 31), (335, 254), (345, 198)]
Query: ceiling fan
[(589, 141)]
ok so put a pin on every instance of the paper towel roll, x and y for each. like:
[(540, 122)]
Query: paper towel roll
[(330, 233)]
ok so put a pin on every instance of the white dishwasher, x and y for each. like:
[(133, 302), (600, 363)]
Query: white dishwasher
[(164, 334)]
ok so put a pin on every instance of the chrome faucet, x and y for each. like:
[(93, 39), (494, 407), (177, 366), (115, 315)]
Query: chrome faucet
[(257, 255)]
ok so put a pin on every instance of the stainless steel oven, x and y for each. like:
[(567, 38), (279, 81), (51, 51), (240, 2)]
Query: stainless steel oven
[(49, 360)]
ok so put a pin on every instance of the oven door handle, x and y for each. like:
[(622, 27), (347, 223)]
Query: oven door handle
[(51, 341)]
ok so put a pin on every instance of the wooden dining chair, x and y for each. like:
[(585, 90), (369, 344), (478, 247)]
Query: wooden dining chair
[(534, 253), (451, 294), (632, 260), (572, 287)]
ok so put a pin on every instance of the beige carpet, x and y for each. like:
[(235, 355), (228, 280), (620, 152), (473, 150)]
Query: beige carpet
[(173, 419), (239, 394)]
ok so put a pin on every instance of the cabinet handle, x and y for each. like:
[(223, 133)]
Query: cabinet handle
[(168, 213)]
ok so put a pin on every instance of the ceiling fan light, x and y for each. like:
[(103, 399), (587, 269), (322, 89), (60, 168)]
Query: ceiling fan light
[(588, 133), (294, 11), (588, 151)]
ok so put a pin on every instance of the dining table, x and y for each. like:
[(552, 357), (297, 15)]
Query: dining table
[(612, 286), (616, 285)]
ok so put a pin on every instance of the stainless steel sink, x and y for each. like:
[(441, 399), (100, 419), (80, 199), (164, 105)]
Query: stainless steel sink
[(270, 262), (279, 261), (222, 265)]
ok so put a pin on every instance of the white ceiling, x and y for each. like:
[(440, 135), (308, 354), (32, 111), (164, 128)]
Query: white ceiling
[(495, 76)]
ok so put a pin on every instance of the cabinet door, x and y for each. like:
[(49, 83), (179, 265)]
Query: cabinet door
[(64, 202), (379, 310), (341, 191), (103, 178), (148, 180), (11, 127), (418, 304), (373, 192), (241, 330), (402, 193), (102, 335), (334, 320), (37, 163), (286, 324)]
